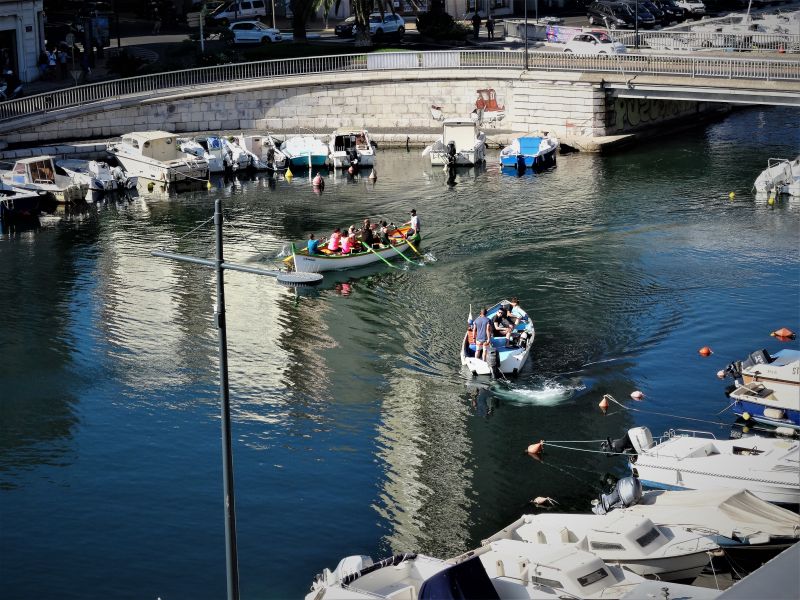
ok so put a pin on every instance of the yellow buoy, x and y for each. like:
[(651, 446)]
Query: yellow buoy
[(150, 186), (288, 175), (732, 195), (746, 416), (771, 200), (745, 429), (208, 184)]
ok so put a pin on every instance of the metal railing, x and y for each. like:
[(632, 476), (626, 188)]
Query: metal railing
[(710, 40), (643, 64)]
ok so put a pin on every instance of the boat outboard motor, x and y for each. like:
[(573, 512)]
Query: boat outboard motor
[(627, 492), (493, 360), (617, 446), (520, 164)]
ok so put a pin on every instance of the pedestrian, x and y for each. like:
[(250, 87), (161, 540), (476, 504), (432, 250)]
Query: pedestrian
[(476, 24), (42, 62), (490, 27), (414, 222), (156, 22), (52, 62), (62, 61)]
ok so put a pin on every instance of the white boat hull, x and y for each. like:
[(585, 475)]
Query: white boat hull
[(673, 568), (188, 170), (512, 359), (319, 263)]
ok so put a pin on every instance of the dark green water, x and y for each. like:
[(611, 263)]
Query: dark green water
[(355, 431)]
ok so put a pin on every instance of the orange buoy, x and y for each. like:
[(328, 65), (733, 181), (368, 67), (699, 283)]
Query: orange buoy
[(536, 448), (705, 351), (783, 334), (318, 181), (637, 395), (604, 403)]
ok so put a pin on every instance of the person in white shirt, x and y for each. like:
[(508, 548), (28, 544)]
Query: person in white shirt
[(516, 311), (414, 222)]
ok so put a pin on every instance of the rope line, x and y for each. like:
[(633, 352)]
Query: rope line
[(204, 223)]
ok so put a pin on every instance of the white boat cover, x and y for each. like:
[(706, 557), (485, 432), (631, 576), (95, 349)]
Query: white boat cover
[(726, 512)]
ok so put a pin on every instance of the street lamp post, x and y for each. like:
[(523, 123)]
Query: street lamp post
[(526, 35), (636, 27)]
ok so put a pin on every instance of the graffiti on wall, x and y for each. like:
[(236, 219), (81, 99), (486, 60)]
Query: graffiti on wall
[(629, 113)]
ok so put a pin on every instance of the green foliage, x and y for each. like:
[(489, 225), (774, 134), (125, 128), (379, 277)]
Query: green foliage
[(439, 25)]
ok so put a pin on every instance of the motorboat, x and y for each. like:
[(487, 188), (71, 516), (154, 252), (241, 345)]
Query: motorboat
[(749, 530), (461, 143), (696, 460), (501, 569), (39, 173), (782, 176), (155, 156), (328, 260), (18, 202), (263, 151), (351, 147), (97, 175), (305, 151), (505, 356), (209, 148), (533, 152), (634, 542), (767, 387), (240, 158)]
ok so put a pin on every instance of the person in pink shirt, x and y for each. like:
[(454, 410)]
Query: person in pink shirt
[(336, 238), (348, 242)]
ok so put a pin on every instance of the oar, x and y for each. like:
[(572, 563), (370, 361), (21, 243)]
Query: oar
[(400, 252), (412, 247), (378, 255)]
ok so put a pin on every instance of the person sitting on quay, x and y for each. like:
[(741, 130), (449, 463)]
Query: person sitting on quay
[(313, 245), (336, 237)]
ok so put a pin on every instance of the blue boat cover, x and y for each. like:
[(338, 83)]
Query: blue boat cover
[(464, 581), (214, 143), (529, 145)]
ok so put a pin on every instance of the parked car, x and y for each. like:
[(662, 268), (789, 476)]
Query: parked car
[(659, 15), (387, 25), (618, 15), (594, 42), (253, 32), (345, 28), (238, 10), (672, 10), (693, 9)]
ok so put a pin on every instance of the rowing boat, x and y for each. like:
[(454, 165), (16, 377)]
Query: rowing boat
[(328, 260)]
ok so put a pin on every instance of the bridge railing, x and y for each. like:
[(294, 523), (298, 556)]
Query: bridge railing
[(699, 40), (645, 64)]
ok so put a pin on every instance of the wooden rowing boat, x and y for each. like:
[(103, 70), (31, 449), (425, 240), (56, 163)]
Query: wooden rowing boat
[(327, 260)]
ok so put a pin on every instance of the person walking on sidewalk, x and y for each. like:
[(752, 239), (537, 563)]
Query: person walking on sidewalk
[(476, 24), (156, 22), (490, 27)]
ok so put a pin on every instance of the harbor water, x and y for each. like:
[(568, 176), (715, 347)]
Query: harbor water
[(354, 429)]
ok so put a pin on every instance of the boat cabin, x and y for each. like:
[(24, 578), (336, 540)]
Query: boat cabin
[(462, 132), (345, 140), (158, 145), (38, 170)]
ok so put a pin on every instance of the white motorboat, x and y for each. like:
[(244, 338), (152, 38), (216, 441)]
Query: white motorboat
[(696, 460), (782, 176), (209, 148), (347, 146), (241, 159), (501, 569), (749, 530), (39, 173), (533, 152), (155, 156), (264, 154), (305, 151), (631, 541), (18, 202), (97, 175), (504, 356), (327, 260), (767, 387), (461, 143)]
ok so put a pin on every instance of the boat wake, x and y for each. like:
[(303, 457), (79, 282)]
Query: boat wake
[(429, 257), (547, 392)]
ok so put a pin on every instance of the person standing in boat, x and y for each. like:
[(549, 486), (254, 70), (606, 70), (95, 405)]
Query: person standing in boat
[(414, 222), (313, 245), (483, 335)]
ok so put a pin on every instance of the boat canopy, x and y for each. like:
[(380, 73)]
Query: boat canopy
[(158, 145), (463, 580), (461, 132)]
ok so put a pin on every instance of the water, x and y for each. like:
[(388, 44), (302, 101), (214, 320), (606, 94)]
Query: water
[(354, 429)]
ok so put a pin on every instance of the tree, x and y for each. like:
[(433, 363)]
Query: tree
[(301, 12), (361, 11)]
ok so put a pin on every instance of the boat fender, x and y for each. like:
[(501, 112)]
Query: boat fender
[(774, 413)]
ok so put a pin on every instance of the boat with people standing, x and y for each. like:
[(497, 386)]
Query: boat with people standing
[(498, 341), (372, 243)]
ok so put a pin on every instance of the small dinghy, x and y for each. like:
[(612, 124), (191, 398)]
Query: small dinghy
[(782, 176), (767, 387), (631, 541), (351, 148), (504, 356), (97, 175), (751, 531), (696, 460), (534, 152)]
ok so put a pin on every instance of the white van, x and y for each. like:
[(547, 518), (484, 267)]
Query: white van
[(239, 9)]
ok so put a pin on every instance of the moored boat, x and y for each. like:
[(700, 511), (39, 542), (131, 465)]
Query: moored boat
[(504, 356), (209, 148), (264, 153), (305, 151), (39, 174), (327, 260), (155, 156), (97, 175), (782, 176), (767, 387), (688, 460), (347, 146), (634, 542), (18, 202), (461, 143), (533, 152)]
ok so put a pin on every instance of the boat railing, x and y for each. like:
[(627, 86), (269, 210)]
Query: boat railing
[(148, 86), (673, 433)]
